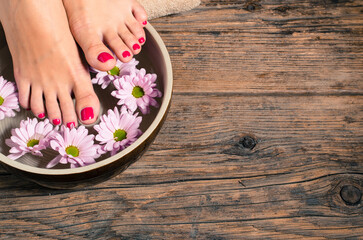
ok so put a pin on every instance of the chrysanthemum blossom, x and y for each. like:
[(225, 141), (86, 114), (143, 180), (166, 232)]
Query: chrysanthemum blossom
[(137, 90), (31, 137), (75, 146), (117, 130), (9, 101), (121, 69)]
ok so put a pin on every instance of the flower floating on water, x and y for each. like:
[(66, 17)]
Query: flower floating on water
[(8, 99), (121, 69), (137, 90), (31, 137), (75, 146), (118, 130)]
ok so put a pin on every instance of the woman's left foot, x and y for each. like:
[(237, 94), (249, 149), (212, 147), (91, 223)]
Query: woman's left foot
[(117, 24)]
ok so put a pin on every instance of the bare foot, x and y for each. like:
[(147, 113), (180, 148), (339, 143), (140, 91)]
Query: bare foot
[(116, 23), (47, 62)]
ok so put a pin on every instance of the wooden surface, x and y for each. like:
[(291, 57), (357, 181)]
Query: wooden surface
[(263, 139)]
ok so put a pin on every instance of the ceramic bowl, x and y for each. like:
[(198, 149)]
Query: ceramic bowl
[(155, 59)]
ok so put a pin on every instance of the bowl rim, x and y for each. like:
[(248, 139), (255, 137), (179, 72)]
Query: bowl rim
[(158, 119)]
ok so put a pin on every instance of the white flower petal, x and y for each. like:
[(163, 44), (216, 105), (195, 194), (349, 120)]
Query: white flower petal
[(54, 162)]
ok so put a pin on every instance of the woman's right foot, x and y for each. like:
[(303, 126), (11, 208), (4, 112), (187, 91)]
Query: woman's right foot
[(47, 62), (119, 24)]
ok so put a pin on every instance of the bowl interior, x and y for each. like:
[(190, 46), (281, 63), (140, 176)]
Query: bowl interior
[(153, 58)]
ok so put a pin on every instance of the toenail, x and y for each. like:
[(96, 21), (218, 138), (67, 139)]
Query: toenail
[(136, 46), (41, 115), (56, 121), (144, 23), (104, 57), (126, 54), (71, 125), (87, 113), (141, 40)]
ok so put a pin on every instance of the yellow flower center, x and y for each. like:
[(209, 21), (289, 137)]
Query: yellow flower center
[(72, 150), (119, 135), (1, 100), (114, 71), (138, 92), (32, 142)]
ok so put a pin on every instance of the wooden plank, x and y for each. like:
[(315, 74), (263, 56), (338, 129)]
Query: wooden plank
[(291, 46), (295, 132), (206, 209)]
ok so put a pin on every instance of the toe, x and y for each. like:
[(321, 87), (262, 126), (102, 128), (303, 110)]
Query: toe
[(87, 104), (137, 30), (129, 39), (53, 111), (118, 46), (36, 102), (69, 115), (97, 54), (139, 13), (24, 94)]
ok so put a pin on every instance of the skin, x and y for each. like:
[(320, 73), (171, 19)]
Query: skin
[(42, 36), (118, 23)]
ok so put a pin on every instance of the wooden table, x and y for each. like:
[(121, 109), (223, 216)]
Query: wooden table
[(263, 139)]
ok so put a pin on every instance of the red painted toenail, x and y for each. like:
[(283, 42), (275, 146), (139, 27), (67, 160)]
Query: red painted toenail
[(41, 115), (71, 125), (136, 46), (56, 121), (104, 57), (87, 113), (126, 54), (144, 23), (141, 40)]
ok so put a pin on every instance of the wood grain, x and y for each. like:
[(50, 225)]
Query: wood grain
[(287, 185), (294, 47), (263, 139)]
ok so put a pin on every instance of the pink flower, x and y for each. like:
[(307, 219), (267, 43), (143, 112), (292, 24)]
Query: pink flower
[(105, 78), (32, 136), (8, 99), (117, 131), (75, 146), (137, 90)]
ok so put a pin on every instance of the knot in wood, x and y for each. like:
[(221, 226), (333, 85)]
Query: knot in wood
[(250, 7), (351, 195), (248, 142)]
